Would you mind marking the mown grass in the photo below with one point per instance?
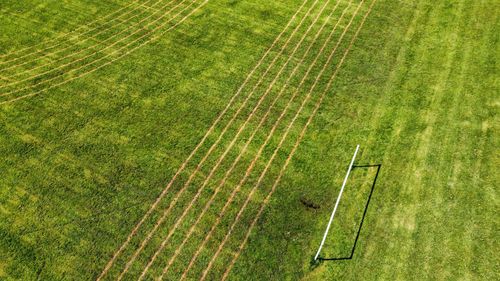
(82, 162)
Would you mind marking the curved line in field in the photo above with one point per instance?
(63, 35)
(99, 43)
(106, 63)
(198, 146)
(292, 152)
(94, 53)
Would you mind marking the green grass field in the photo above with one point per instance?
(208, 140)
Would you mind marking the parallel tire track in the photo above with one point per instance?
(258, 154)
(191, 177)
(297, 143)
(198, 146)
(191, 230)
(270, 161)
(228, 172)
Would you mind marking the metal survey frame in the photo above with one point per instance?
(337, 203)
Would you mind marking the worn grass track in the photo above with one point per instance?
(83, 162)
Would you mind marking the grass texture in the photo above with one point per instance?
(101, 103)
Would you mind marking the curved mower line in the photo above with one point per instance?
(90, 55)
(99, 43)
(108, 62)
(63, 35)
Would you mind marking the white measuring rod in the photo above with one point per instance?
(337, 203)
